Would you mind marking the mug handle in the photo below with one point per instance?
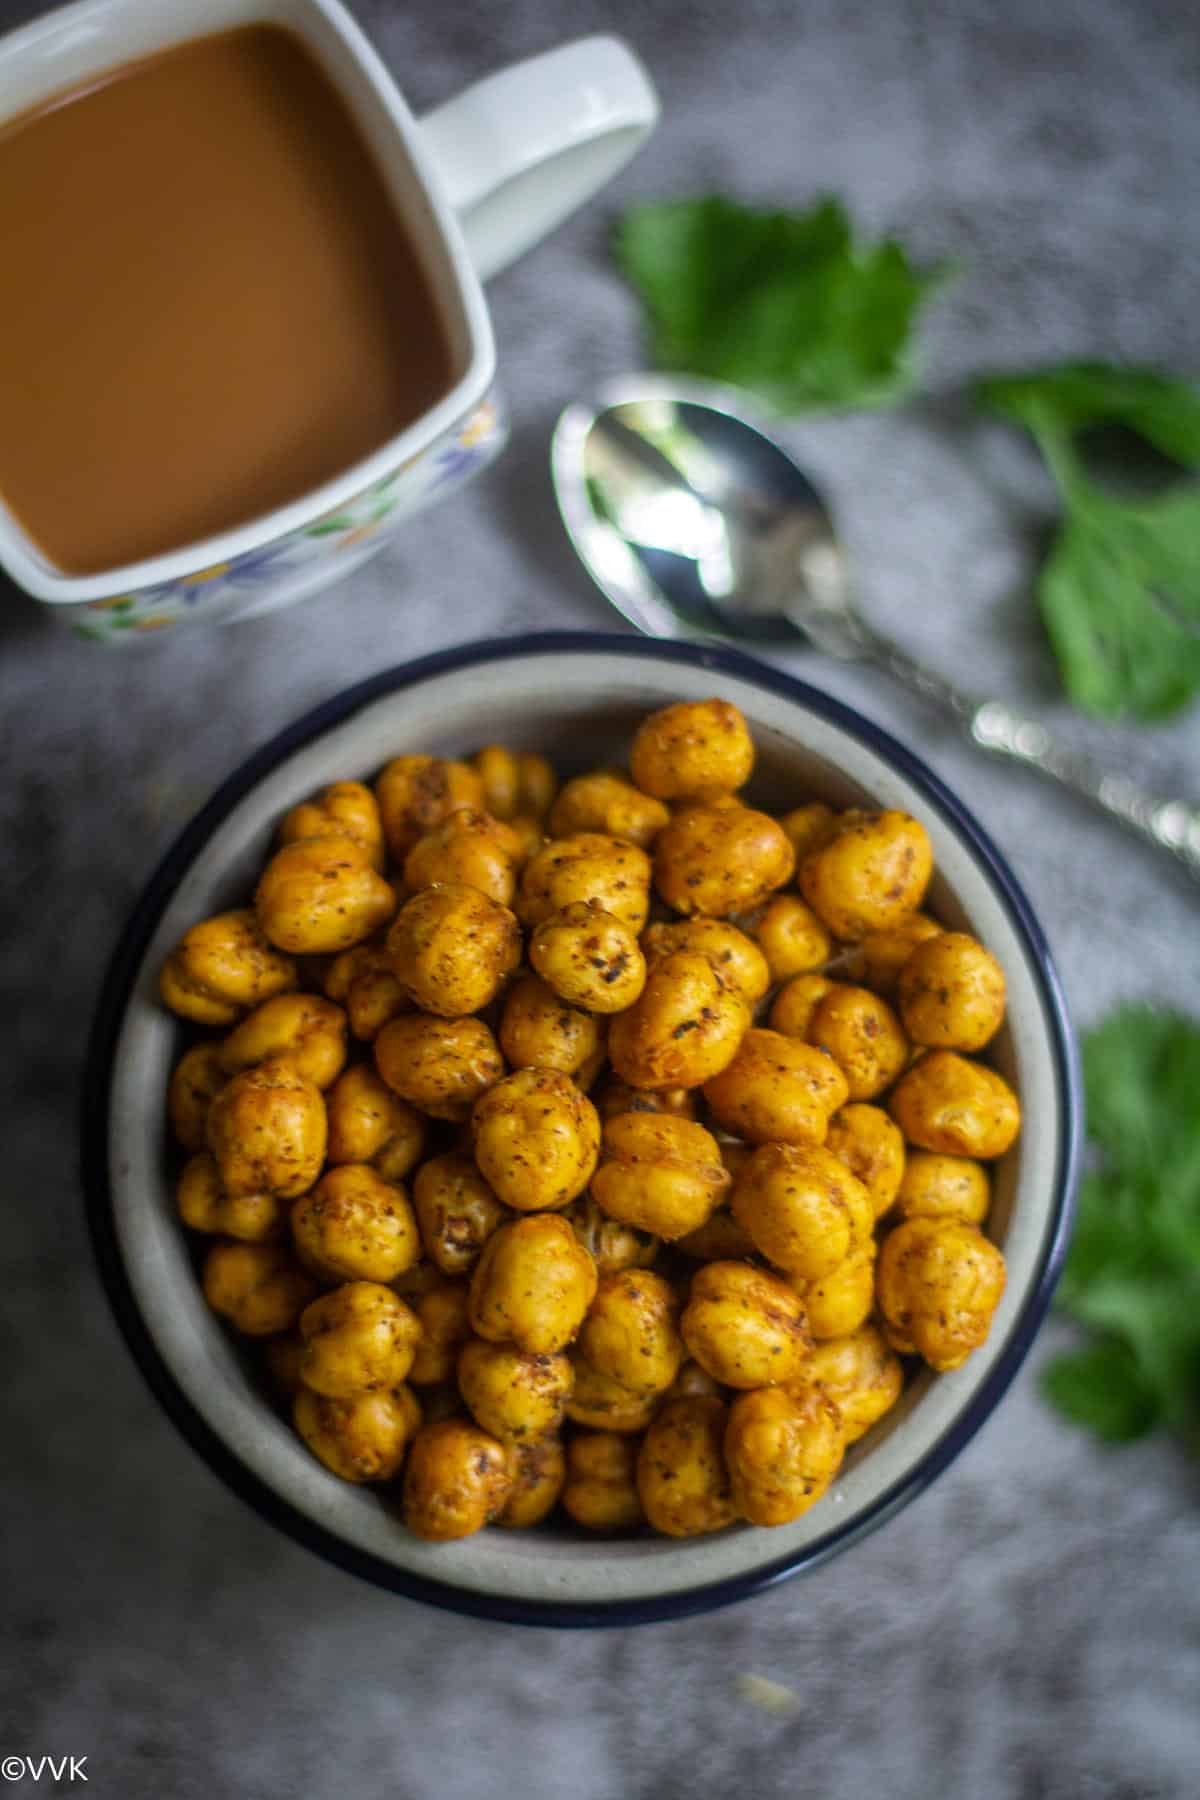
(521, 149)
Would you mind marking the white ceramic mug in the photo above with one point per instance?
(476, 183)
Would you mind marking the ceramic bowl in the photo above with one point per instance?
(578, 698)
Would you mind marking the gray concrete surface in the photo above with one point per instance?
(1030, 1630)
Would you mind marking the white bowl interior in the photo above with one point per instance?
(581, 709)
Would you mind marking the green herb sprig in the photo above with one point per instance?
(1120, 590)
(789, 305)
(1133, 1273)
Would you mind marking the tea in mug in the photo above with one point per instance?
(210, 305)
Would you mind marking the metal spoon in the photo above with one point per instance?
(694, 522)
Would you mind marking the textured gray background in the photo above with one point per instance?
(1032, 1626)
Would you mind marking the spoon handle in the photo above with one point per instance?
(1170, 825)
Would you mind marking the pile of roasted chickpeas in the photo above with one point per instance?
(613, 1146)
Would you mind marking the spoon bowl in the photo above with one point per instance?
(695, 522)
(688, 515)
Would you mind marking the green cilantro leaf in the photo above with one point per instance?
(1102, 1388)
(1133, 1273)
(1079, 395)
(1120, 590)
(1142, 1089)
(785, 304)
(1120, 597)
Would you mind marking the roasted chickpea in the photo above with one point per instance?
(719, 802)
(529, 834)
(736, 958)
(791, 937)
(539, 1029)
(606, 802)
(456, 1210)
(500, 779)
(537, 784)
(943, 1187)
(457, 1480)
(938, 1284)
(803, 1209)
(872, 1147)
(794, 1005)
(720, 860)
(691, 1381)
(961, 1108)
(783, 1447)
(603, 1404)
(468, 847)
(205, 1206)
(195, 1083)
(776, 1090)
(514, 1393)
(952, 993)
(614, 1097)
(588, 866)
(808, 827)
(419, 1279)
(682, 1480)
(516, 783)
(842, 1300)
(360, 1338)
(744, 1325)
(600, 1492)
(532, 1285)
(685, 1028)
(369, 1124)
(589, 957)
(320, 896)
(308, 1031)
(861, 1374)
(259, 1288)
(222, 967)
(452, 949)
(876, 962)
(366, 984)
(539, 1468)
(867, 877)
(862, 1034)
(415, 793)
(356, 1226)
(362, 1438)
(536, 1139)
(631, 1333)
(659, 1174)
(344, 809)
(719, 1239)
(694, 747)
(445, 1328)
(610, 1244)
(267, 1130)
(440, 1066)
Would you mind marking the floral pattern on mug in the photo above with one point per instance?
(225, 590)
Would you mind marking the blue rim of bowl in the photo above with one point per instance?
(114, 999)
